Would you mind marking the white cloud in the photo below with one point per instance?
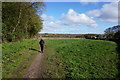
(108, 13)
(76, 0)
(52, 24)
(51, 17)
(99, 0)
(86, 3)
(75, 19)
(89, 0)
(45, 17)
(94, 13)
(71, 19)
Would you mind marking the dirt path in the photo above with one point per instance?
(35, 70)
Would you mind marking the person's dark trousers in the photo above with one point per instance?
(42, 48)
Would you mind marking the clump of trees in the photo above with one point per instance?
(95, 36)
(113, 33)
(90, 36)
(20, 20)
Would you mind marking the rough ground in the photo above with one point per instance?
(35, 70)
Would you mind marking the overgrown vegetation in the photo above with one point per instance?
(16, 57)
(74, 58)
(20, 20)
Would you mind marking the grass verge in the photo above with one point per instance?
(17, 57)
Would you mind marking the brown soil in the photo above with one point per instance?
(35, 70)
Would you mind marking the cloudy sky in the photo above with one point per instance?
(79, 17)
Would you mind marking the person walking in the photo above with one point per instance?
(42, 45)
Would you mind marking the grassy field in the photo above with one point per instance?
(65, 58)
(73, 58)
(16, 57)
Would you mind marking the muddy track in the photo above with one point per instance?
(35, 70)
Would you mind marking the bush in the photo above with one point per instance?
(117, 35)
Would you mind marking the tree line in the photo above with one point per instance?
(113, 33)
(20, 20)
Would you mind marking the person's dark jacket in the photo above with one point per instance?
(41, 42)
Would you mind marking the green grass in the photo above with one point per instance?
(73, 58)
(65, 58)
(16, 57)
